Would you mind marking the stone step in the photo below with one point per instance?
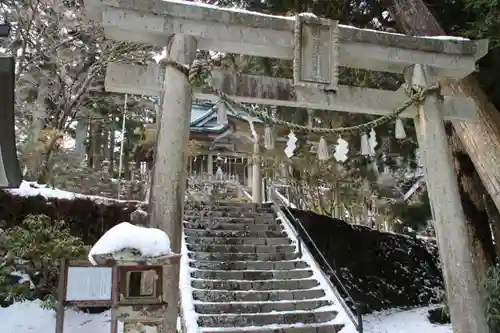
(291, 328)
(255, 285)
(230, 219)
(244, 203)
(238, 241)
(238, 320)
(210, 256)
(256, 296)
(249, 265)
(229, 208)
(229, 205)
(233, 226)
(230, 213)
(252, 275)
(232, 203)
(234, 233)
(242, 248)
(218, 308)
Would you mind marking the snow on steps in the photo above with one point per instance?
(241, 272)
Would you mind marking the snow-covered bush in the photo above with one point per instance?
(30, 258)
(87, 218)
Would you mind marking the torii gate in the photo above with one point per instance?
(185, 27)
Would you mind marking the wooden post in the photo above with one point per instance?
(462, 286)
(166, 200)
(81, 135)
(61, 296)
(115, 297)
(170, 283)
(256, 174)
(249, 172)
(310, 118)
(210, 165)
(338, 204)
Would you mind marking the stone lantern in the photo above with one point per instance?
(139, 297)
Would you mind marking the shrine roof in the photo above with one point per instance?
(204, 118)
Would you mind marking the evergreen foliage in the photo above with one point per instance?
(492, 287)
(33, 251)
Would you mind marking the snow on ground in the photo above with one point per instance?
(31, 189)
(13, 320)
(397, 321)
(150, 242)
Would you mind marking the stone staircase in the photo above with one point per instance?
(242, 273)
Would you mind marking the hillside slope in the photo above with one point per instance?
(381, 270)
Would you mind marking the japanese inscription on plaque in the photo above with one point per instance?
(89, 284)
(316, 53)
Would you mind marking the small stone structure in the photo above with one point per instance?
(139, 291)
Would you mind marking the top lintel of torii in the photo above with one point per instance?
(252, 33)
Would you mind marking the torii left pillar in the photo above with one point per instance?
(168, 183)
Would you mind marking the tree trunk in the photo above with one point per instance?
(80, 137)
(105, 142)
(494, 216)
(96, 144)
(472, 195)
(414, 18)
(39, 115)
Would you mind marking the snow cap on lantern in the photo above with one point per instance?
(128, 242)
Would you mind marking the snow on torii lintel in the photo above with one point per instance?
(151, 243)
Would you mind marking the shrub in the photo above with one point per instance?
(32, 252)
(492, 287)
(85, 218)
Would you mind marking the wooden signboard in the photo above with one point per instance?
(83, 285)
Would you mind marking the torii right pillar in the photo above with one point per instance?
(462, 285)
